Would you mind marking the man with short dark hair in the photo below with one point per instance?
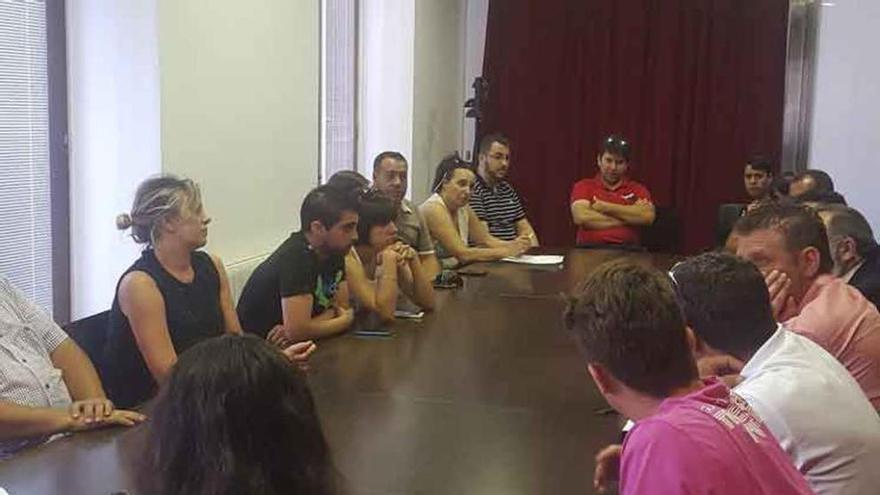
(817, 199)
(784, 376)
(390, 171)
(788, 243)
(300, 289)
(814, 186)
(493, 199)
(609, 208)
(758, 178)
(854, 250)
(691, 435)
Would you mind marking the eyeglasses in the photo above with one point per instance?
(671, 274)
(617, 144)
(449, 166)
(676, 292)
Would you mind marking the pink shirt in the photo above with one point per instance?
(837, 316)
(709, 441)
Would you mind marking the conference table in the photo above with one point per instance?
(486, 395)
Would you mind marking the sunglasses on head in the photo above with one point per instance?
(671, 274)
(616, 143)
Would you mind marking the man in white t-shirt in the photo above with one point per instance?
(807, 399)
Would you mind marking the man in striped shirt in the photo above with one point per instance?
(493, 199)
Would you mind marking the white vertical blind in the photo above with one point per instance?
(25, 214)
(386, 83)
(339, 86)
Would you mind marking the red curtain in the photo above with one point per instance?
(695, 85)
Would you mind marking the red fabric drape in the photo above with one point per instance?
(695, 85)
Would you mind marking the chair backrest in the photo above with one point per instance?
(728, 214)
(664, 234)
(90, 334)
(239, 273)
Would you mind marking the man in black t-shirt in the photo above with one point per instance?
(300, 289)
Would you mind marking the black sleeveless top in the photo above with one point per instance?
(192, 312)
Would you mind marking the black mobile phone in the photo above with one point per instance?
(373, 333)
(470, 272)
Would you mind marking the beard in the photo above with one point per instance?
(342, 251)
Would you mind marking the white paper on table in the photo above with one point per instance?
(402, 314)
(536, 259)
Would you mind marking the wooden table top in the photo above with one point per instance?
(487, 395)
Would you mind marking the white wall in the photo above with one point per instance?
(231, 92)
(845, 138)
(438, 97)
(240, 102)
(411, 93)
(386, 79)
(113, 104)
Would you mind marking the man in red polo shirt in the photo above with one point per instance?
(610, 208)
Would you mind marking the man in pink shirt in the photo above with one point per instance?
(788, 243)
(691, 435)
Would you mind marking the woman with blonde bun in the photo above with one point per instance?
(173, 297)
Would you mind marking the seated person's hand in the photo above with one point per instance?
(518, 246)
(408, 254)
(278, 337)
(388, 257)
(525, 241)
(119, 417)
(598, 205)
(607, 468)
(346, 313)
(405, 251)
(779, 286)
(726, 368)
(299, 353)
(91, 410)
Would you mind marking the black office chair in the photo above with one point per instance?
(90, 334)
(728, 214)
(663, 236)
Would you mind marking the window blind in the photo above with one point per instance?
(339, 86)
(25, 214)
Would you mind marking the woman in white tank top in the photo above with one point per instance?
(459, 236)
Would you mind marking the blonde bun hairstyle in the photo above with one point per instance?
(157, 199)
(123, 221)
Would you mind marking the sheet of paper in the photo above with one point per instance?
(536, 259)
(409, 315)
